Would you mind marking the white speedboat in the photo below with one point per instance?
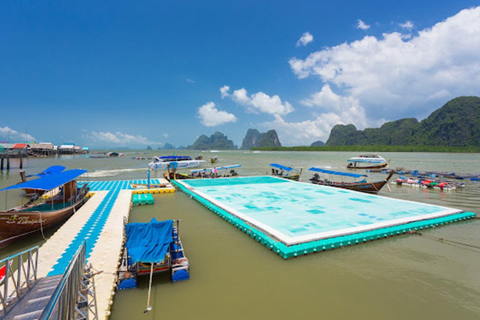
(367, 161)
(162, 163)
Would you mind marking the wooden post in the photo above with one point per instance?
(8, 162)
(1, 165)
(21, 161)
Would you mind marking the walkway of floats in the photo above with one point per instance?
(100, 223)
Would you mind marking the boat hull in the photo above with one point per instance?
(367, 187)
(366, 166)
(18, 224)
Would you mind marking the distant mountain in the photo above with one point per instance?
(149, 148)
(317, 144)
(168, 146)
(254, 138)
(456, 124)
(216, 141)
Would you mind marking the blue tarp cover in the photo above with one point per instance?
(50, 181)
(338, 173)
(149, 242)
(279, 166)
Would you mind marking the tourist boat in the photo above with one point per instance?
(33, 216)
(215, 172)
(161, 163)
(367, 161)
(363, 185)
(151, 248)
(286, 172)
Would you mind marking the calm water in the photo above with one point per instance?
(234, 277)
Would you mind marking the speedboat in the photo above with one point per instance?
(367, 161)
(162, 163)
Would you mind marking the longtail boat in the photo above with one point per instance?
(36, 216)
(215, 172)
(362, 186)
(286, 172)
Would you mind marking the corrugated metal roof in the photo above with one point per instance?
(20, 146)
(47, 146)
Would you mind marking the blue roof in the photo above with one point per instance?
(50, 181)
(218, 168)
(279, 166)
(338, 173)
(51, 170)
(149, 242)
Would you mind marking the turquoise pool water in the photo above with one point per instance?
(296, 212)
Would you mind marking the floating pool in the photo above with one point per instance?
(296, 218)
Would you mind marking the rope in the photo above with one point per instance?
(149, 307)
(446, 240)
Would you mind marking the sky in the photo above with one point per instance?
(107, 74)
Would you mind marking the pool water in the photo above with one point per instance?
(294, 212)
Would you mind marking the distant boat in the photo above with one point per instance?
(162, 163)
(32, 216)
(203, 173)
(286, 172)
(214, 159)
(362, 186)
(367, 161)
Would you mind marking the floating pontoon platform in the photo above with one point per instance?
(293, 218)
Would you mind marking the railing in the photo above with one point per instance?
(63, 303)
(20, 275)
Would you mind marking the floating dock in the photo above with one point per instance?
(100, 222)
(293, 218)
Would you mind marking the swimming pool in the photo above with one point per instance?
(294, 213)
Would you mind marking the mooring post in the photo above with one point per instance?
(1, 164)
(21, 161)
(8, 162)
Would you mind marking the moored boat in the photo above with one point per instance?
(151, 248)
(367, 161)
(48, 171)
(161, 163)
(362, 186)
(286, 172)
(36, 216)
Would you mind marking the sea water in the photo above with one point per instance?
(234, 277)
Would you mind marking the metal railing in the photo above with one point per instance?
(20, 275)
(63, 303)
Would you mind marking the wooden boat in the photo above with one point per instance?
(369, 161)
(214, 159)
(151, 248)
(286, 172)
(362, 186)
(215, 172)
(32, 217)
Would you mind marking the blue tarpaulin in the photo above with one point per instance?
(279, 166)
(149, 242)
(49, 170)
(50, 181)
(338, 173)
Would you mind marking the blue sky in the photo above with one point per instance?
(138, 73)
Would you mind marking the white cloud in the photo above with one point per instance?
(190, 80)
(118, 139)
(165, 135)
(13, 136)
(261, 102)
(211, 116)
(362, 25)
(407, 25)
(224, 91)
(334, 109)
(305, 39)
(395, 77)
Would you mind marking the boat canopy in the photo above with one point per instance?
(279, 166)
(218, 168)
(50, 181)
(338, 173)
(149, 242)
(49, 170)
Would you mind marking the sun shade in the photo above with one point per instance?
(338, 173)
(50, 181)
(279, 166)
